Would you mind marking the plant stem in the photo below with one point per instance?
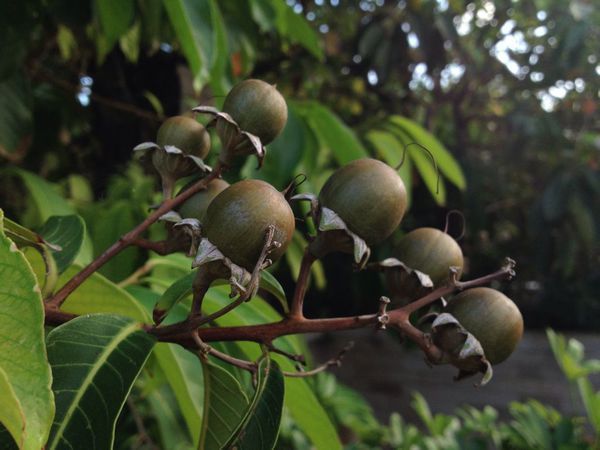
(129, 238)
(296, 309)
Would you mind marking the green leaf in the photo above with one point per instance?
(260, 426)
(293, 257)
(48, 202)
(591, 401)
(270, 284)
(25, 378)
(68, 233)
(199, 28)
(16, 116)
(300, 399)
(182, 370)
(335, 135)
(297, 29)
(224, 406)
(95, 360)
(99, 295)
(115, 17)
(444, 159)
(220, 50)
(173, 295)
(389, 149)
(164, 410)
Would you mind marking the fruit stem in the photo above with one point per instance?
(129, 238)
(296, 309)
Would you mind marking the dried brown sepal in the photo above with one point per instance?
(460, 348)
(171, 163)
(334, 235)
(208, 253)
(236, 142)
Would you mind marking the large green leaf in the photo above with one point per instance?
(68, 233)
(48, 202)
(444, 159)
(99, 295)
(183, 373)
(95, 360)
(224, 406)
(334, 134)
(27, 403)
(164, 411)
(260, 427)
(296, 28)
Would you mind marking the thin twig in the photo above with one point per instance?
(337, 362)
(293, 356)
(143, 435)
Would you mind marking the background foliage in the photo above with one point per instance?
(509, 89)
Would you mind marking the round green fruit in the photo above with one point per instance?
(492, 318)
(238, 218)
(430, 251)
(196, 206)
(186, 134)
(369, 196)
(258, 108)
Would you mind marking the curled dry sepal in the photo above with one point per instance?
(460, 348)
(236, 142)
(171, 163)
(334, 234)
(209, 254)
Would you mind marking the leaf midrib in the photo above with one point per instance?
(87, 382)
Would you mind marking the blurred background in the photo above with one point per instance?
(503, 93)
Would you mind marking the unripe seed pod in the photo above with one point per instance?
(258, 108)
(196, 206)
(430, 251)
(492, 318)
(186, 134)
(369, 196)
(238, 218)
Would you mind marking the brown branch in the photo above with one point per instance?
(160, 247)
(58, 299)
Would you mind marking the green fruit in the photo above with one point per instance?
(430, 251)
(369, 196)
(196, 206)
(492, 318)
(238, 218)
(258, 108)
(186, 134)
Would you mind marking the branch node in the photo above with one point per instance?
(382, 317)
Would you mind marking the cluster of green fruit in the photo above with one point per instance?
(360, 205)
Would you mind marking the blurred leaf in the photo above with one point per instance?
(270, 284)
(110, 223)
(199, 28)
(16, 115)
(591, 401)
(48, 202)
(25, 378)
(389, 149)
(130, 42)
(115, 17)
(260, 425)
(264, 13)
(164, 411)
(443, 158)
(99, 295)
(68, 233)
(293, 257)
(224, 406)
(95, 360)
(430, 177)
(334, 134)
(66, 42)
(296, 28)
